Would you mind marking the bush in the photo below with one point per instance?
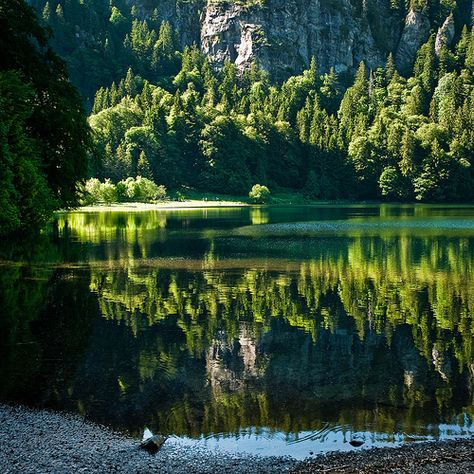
(259, 194)
(141, 190)
(131, 189)
(108, 192)
(94, 191)
(90, 192)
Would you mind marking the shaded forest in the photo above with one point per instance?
(45, 141)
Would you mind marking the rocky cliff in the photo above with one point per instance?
(283, 35)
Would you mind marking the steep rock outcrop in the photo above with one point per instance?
(445, 34)
(415, 33)
(283, 35)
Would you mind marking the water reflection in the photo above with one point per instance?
(185, 323)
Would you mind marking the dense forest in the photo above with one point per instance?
(169, 115)
(45, 141)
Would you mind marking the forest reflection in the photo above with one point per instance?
(372, 320)
(196, 333)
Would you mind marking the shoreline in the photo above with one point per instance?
(194, 204)
(159, 206)
(41, 441)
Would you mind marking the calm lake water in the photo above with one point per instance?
(267, 330)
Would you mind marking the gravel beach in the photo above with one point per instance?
(47, 442)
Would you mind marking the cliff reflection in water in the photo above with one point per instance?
(196, 331)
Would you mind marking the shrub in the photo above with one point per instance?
(130, 189)
(259, 194)
(108, 192)
(140, 189)
(94, 191)
(90, 192)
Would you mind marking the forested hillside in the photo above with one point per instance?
(388, 137)
(182, 118)
(192, 119)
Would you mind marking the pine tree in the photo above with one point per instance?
(463, 45)
(426, 66)
(390, 69)
(60, 13)
(303, 121)
(143, 166)
(47, 15)
(407, 163)
(469, 62)
(129, 83)
(354, 110)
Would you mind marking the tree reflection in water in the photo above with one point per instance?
(194, 329)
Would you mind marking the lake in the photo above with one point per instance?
(271, 330)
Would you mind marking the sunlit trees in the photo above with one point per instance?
(259, 194)
(192, 126)
(140, 189)
(137, 189)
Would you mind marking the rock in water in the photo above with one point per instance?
(356, 443)
(153, 444)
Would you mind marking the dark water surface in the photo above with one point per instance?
(268, 330)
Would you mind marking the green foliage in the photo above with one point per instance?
(116, 17)
(44, 136)
(94, 192)
(140, 190)
(25, 200)
(169, 116)
(218, 132)
(259, 194)
(128, 190)
(391, 183)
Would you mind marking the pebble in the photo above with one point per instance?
(40, 442)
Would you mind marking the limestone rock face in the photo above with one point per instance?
(283, 35)
(415, 33)
(445, 34)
